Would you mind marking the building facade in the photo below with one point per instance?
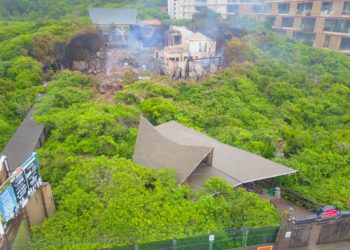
(321, 23)
(188, 54)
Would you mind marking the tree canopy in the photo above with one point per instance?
(26, 48)
(100, 193)
(24, 10)
(277, 98)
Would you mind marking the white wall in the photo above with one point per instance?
(184, 9)
(202, 48)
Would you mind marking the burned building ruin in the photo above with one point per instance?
(188, 54)
(150, 46)
(114, 24)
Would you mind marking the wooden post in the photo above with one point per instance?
(285, 234)
(43, 201)
(26, 216)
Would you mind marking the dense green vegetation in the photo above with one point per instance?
(275, 93)
(275, 89)
(101, 194)
(20, 10)
(25, 48)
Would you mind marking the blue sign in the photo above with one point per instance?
(8, 204)
(15, 194)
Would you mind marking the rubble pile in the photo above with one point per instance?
(175, 51)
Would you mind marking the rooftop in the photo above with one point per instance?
(154, 22)
(197, 157)
(23, 142)
(185, 33)
(108, 16)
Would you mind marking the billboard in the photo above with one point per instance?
(26, 180)
(31, 172)
(19, 188)
(4, 169)
(8, 204)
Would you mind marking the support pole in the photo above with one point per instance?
(211, 241)
(245, 236)
(284, 237)
(174, 244)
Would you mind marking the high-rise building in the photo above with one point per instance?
(321, 23)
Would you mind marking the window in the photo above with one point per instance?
(326, 41)
(326, 8)
(271, 20)
(258, 9)
(308, 24)
(200, 8)
(232, 8)
(337, 25)
(345, 44)
(200, 1)
(346, 8)
(283, 8)
(281, 32)
(304, 9)
(306, 38)
(287, 21)
(240, 1)
(266, 8)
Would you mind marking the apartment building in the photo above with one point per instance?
(185, 9)
(321, 23)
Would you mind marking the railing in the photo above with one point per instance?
(290, 195)
(301, 200)
(227, 239)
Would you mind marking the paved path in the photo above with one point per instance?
(28, 137)
(283, 205)
(344, 245)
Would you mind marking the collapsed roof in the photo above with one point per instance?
(108, 16)
(197, 157)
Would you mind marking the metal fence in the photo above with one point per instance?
(227, 239)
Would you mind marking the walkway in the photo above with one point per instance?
(28, 137)
(283, 205)
(344, 245)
